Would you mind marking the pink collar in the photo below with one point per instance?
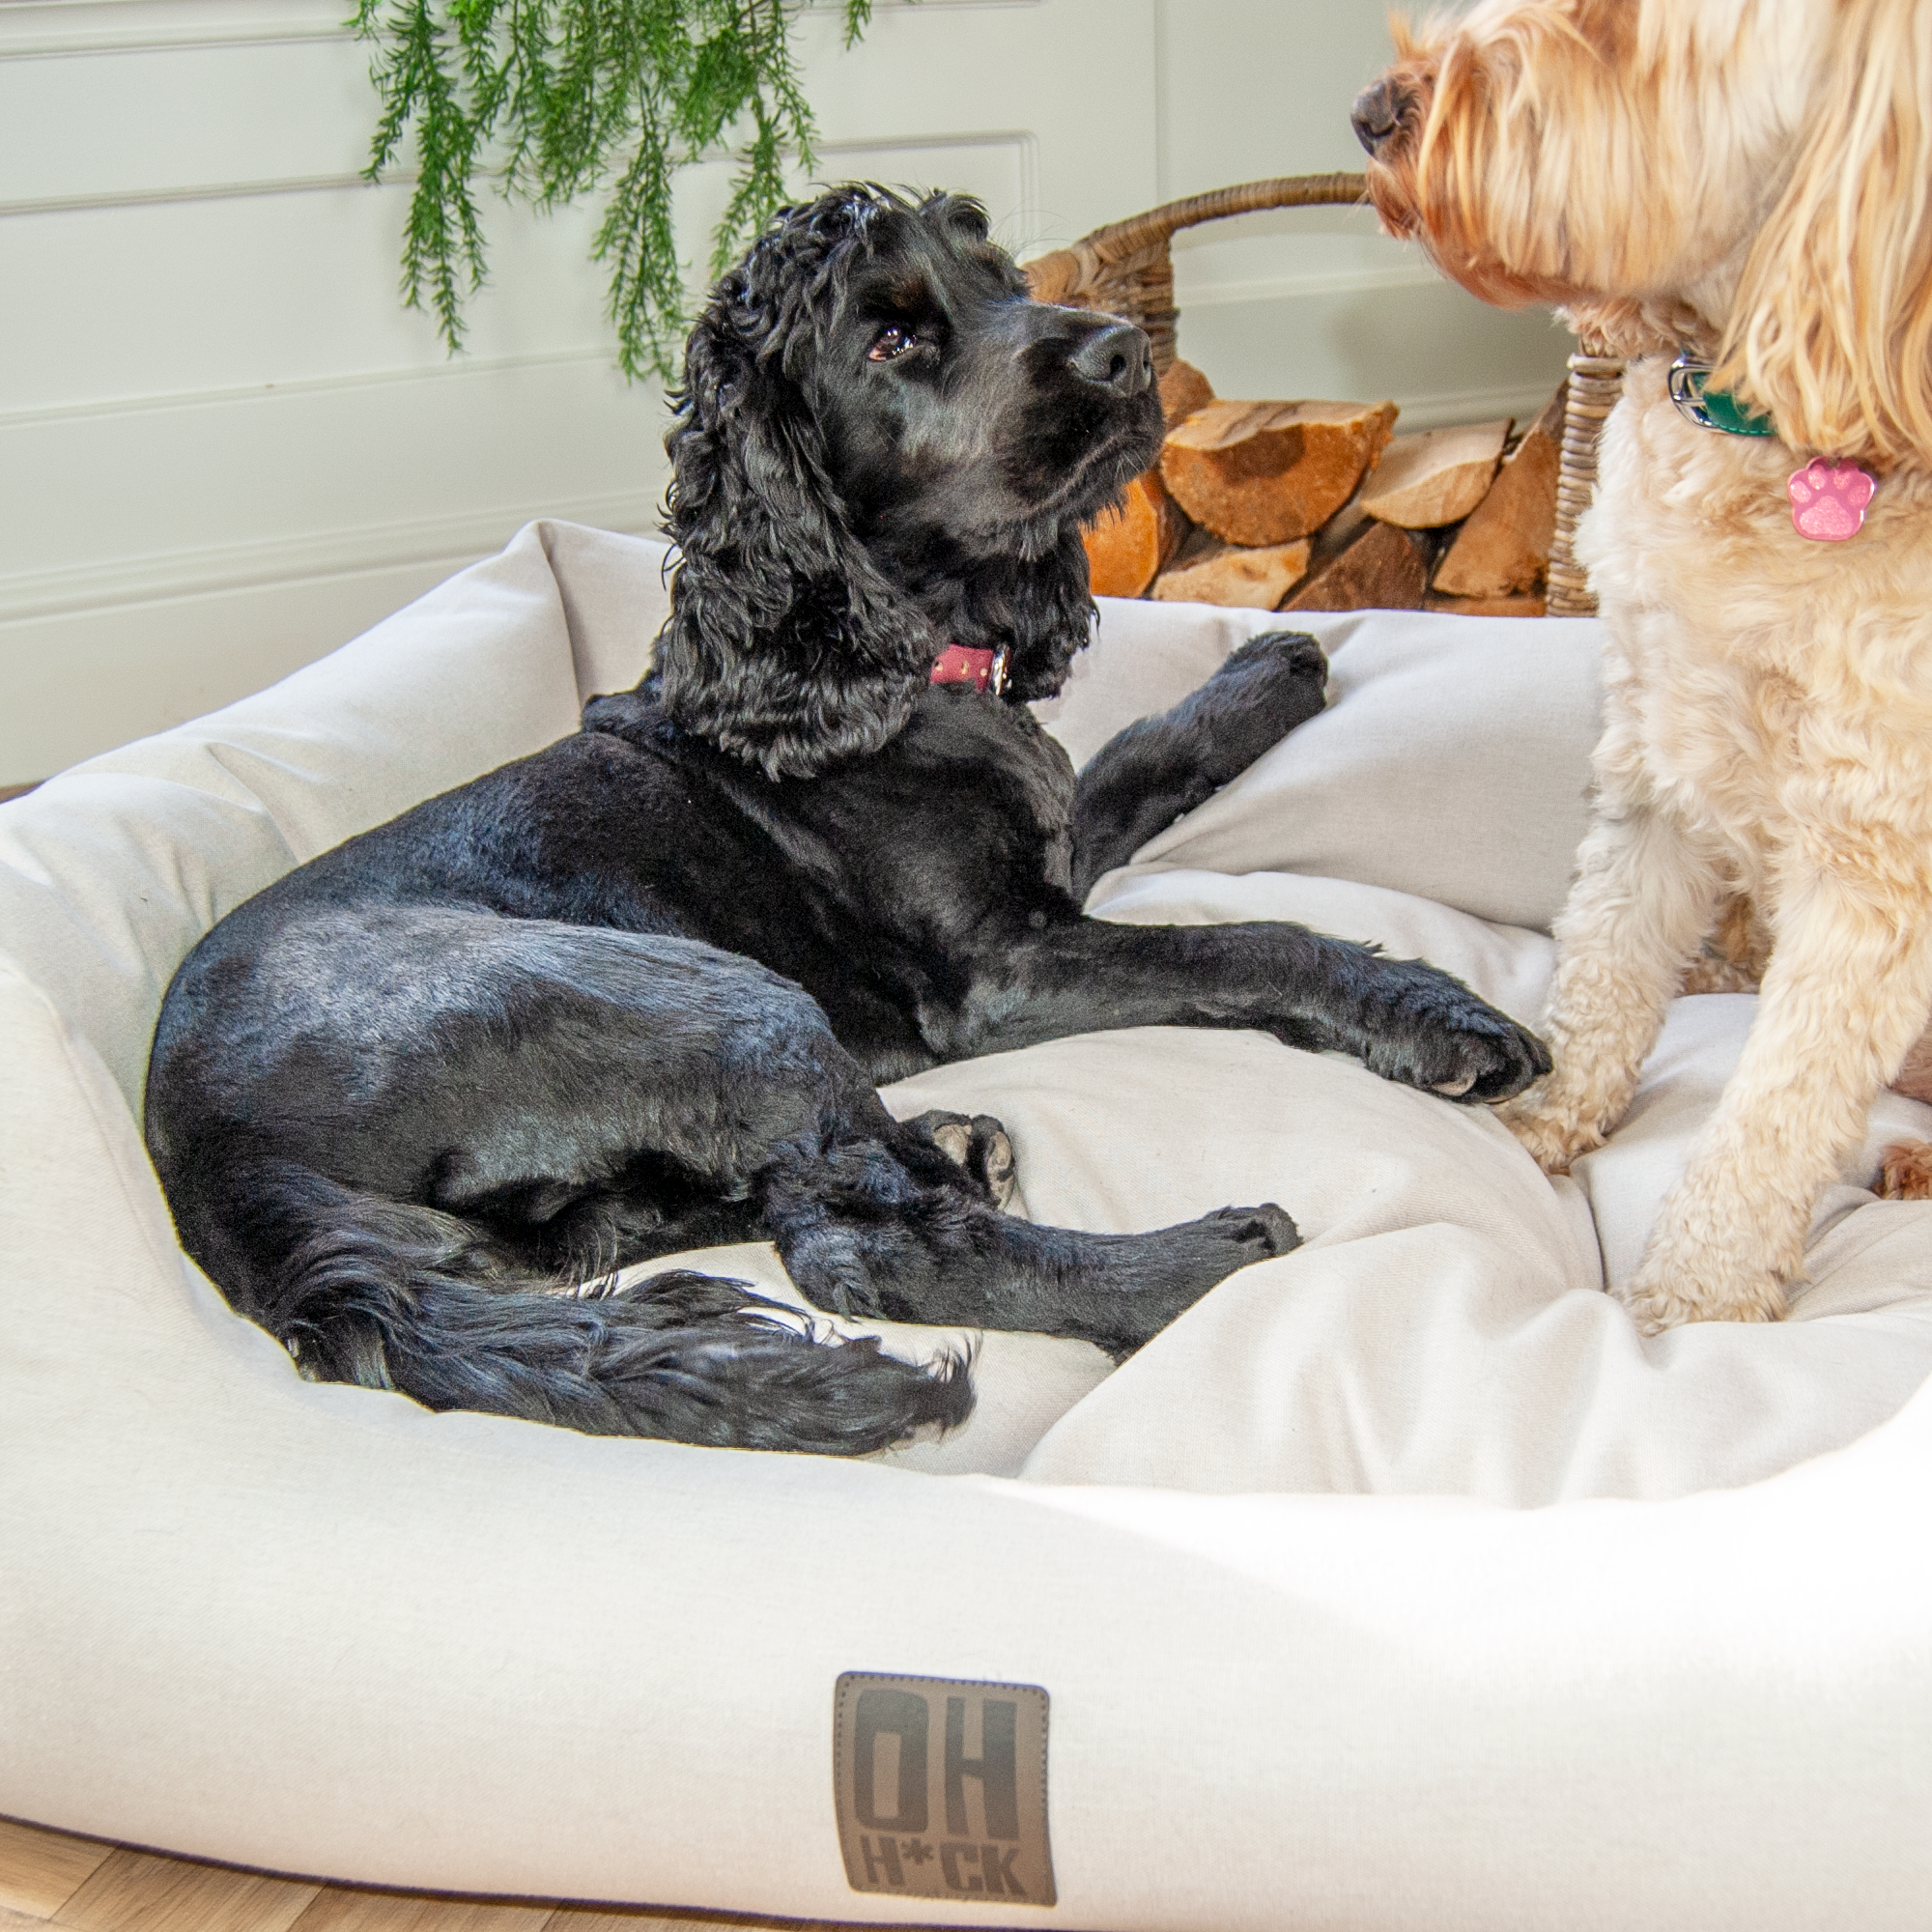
(981, 670)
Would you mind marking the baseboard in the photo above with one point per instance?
(83, 681)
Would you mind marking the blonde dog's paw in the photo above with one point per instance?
(1905, 1171)
(1665, 1293)
(1553, 1135)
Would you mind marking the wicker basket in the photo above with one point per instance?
(1595, 384)
(1127, 269)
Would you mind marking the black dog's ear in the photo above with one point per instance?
(784, 646)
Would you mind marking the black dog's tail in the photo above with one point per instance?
(391, 1295)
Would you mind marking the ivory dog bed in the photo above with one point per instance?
(1398, 1584)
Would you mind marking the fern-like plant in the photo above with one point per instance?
(559, 97)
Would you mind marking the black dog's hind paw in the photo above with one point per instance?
(1444, 1038)
(1182, 1264)
(1270, 685)
(1262, 1231)
(975, 1142)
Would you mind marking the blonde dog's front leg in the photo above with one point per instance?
(1646, 893)
(1844, 997)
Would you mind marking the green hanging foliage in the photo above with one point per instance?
(557, 97)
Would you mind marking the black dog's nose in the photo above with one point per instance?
(1118, 358)
(1377, 113)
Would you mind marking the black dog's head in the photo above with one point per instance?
(882, 447)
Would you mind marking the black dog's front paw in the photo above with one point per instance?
(1445, 1039)
(1267, 687)
(1138, 784)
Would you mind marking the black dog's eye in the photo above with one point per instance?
(891, 343)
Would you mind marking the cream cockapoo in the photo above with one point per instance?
(1747, 185)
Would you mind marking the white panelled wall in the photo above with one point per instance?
(225, 447)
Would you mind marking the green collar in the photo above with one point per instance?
(1828, 500)
(1709, 408)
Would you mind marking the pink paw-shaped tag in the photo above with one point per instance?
(1828, 500)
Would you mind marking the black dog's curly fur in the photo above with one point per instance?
(415, 1103)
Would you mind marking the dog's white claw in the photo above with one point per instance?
(1001, 1169)
(1454, 1089)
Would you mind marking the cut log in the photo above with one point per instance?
(1505, 604)
(1335, 537)
(1126, 547)
(1269, 472)
(1382, 570)
(1250, 579)
(1505, 544)
(1435, 478)
(1183, 390)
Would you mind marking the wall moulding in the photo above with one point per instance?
(31, 28)
(220, 568)
(454, 368)
(162, 197)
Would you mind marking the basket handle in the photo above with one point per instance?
(1061, 273)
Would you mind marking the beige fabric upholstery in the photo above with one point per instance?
(1453, 762)
(1398, 1583)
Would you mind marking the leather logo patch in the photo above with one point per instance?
(941, 1787)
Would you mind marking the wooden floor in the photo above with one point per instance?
(83, 1884)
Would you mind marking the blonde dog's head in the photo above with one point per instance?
(1748, 178)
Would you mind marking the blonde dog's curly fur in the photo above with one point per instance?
(1750, 180)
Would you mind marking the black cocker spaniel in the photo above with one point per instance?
(416, 1102)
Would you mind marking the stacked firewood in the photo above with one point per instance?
(1320, 506)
